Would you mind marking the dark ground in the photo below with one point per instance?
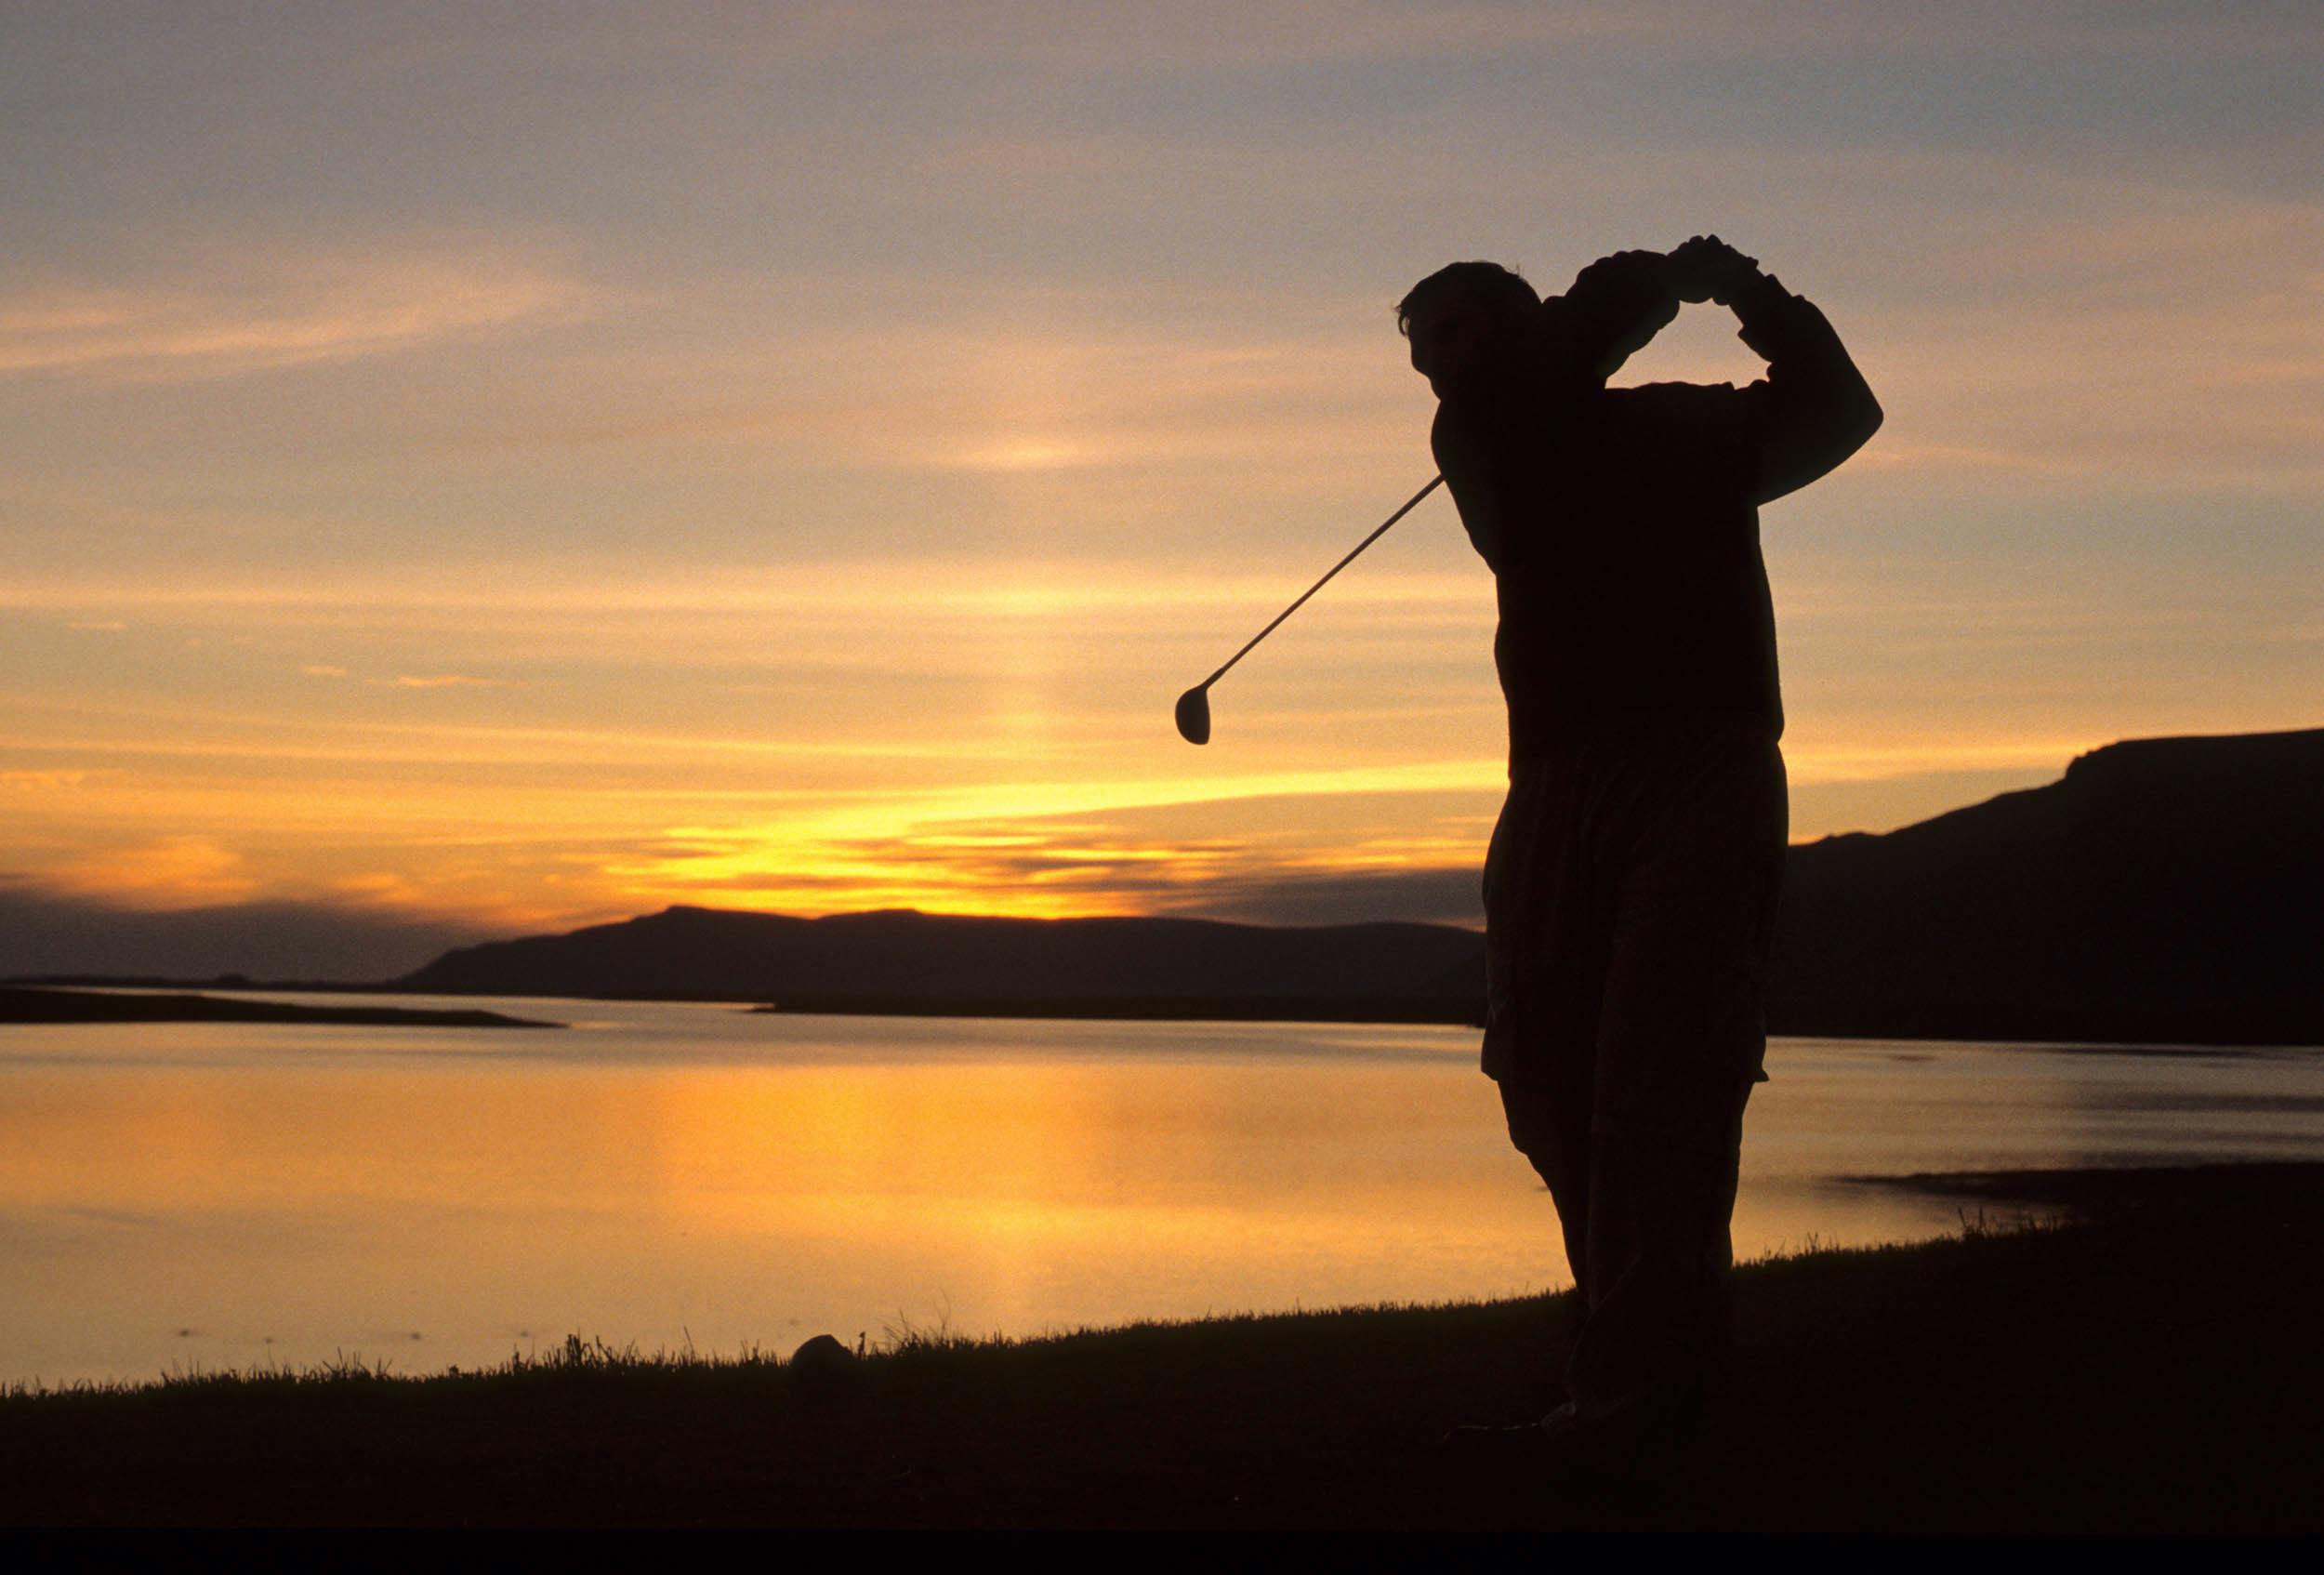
(2154, 1367)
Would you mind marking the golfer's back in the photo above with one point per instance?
(1630, 585)
(1631, 582)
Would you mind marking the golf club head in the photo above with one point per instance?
(1194, 714)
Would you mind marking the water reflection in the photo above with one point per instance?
(230, 1194)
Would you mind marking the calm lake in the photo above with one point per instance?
(233, 1195)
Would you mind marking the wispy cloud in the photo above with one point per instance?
(443, 680)
(2156, 335)
(1132, 857)
(1238, 35)
(1959, 460)
(1024, 383)
(171, 872)
(247, 314)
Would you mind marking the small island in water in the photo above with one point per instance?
(22, 1005)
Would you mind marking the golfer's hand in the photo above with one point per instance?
(1706, 269)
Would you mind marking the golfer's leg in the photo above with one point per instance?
(1545, 965)
(1546, 1099)
(1680, 1045)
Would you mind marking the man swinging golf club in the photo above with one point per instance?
(1631, 886)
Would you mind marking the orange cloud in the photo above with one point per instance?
(170, 872)
(443, 680)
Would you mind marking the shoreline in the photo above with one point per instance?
(43, 1004)
(1287, 1009)
(2134, 1353)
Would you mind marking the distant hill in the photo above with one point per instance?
(906, 960)
(2166, 890)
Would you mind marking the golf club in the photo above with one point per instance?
(1194, 706)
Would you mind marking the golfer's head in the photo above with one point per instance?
(1468, 324)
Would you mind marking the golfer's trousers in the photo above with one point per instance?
(1630, 900)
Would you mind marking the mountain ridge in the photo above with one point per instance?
(901, 955)
(2161, 889)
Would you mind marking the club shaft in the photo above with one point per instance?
(1410, 503)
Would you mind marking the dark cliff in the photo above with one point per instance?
(2167, 889)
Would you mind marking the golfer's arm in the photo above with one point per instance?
(1817, 408)
(1611, 310)
(1461, 459)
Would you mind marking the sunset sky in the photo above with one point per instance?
(497, 467)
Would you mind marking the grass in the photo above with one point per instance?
(2148, 1364)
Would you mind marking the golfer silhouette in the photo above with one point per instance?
(1631, 887)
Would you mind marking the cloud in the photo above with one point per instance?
(443, 680)
(172, 872)
(1374, 858)
(2082, 328)
(231, 317)
(1242, 35)
(1026, 382)
(1959, 459)
(2152, 335)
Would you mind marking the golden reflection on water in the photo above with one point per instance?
(216, 1196)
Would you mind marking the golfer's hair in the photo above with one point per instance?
(1486, 283)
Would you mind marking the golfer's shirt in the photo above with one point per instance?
(1622, 527)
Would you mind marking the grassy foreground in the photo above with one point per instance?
(2152, 1365)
